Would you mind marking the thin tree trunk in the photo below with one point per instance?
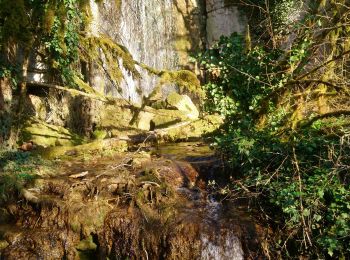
(18, 120)
(2, 98)
(23, 84)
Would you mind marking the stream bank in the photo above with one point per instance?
(145, 203)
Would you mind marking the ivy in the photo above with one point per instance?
(292, 157)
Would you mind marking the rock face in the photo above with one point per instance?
(38, 107)
(190, 29)
(178, 121)
(223, 18)
(161, 34)
(146, 29)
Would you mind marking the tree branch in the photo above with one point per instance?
(323, 116)
(327, 83)
(322, 65)
(70, 90)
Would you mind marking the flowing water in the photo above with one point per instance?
(94, 211)
(146, 29)
(220, 238)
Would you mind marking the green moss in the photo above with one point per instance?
(115, 118)
(183, 103)
(49, 19)
(165, 118)
(174, 98)
(183, 44)
(112, 53)
(184, 79)
(87, 244)
(75, 226)
(3, 244)
(85, 149)
(159, 104)
(100, 134)
(195, 129)
(47, 135)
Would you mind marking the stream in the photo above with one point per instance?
(152, 203)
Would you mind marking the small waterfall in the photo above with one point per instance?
(146, 29)
(219, 243)
(223, 246)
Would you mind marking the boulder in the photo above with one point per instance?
(144, 120)
(48, 135)
(184, 104)
(191, 130)
(165, 117)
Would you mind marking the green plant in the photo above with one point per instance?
(281, 134)
(17, 170)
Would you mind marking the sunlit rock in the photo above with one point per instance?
(184, 104)
(224, 18)
(144, 122)
(38, 106)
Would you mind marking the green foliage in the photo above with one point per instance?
(62, 40)
(240, 80)
(298, 171)
(284, 13)
(52, 28)
(11, 73)
(17, 169)
(314, 206)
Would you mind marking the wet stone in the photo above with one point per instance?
(132, 205)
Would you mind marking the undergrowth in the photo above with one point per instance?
(287, 133)
(17, 170)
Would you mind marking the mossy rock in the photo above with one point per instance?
(144, 121)
(47, 135)
(184, 104)
(192, 130)
(115, 118)
(92, 147)
(164, 118)
(87, 244)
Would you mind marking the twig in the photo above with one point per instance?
(276, 171)
(251, 77)
(295, 160)
(150, 182)
(322, 65)
(134, 153)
